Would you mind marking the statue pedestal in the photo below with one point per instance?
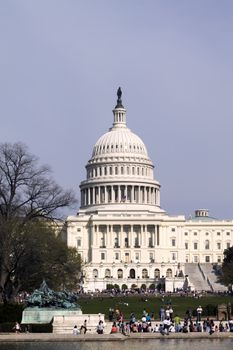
(65, 324)
(39, 315)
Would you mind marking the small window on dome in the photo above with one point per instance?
(103, 147)
(116, 147)
(130, 146)
(112, 147)
(142, 171)
(127, 170)
(116, 170)
(105, 171)
(133, 170)
(122, 170)
(138, 171)
(110, 170)
(134, 147)
(107, 146)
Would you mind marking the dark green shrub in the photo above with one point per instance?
(152, 286)
(124, 286)
(41, 328)
(7, 327)
(109, 286)
(209, 310)
(11, 312)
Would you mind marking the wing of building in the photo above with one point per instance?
(123, 235)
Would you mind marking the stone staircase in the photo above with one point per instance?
(211, 276)
(196, 277)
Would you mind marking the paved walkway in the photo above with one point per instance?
(50, 337)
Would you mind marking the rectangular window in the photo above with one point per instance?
(173, 256)
(207, 259)
(117, 256)
(195, 258)
(218, 245)
(228, 233)
(195, 245)
(219, 259)
(228, 245)
(173, 229)
(195, 233)
(79, 242)
(137, 256)
(173, 242)
(102, 256)
(218, 233)
(126, 257)
(151, 257)
(186, 245)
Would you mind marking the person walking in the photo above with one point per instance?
(199, 313)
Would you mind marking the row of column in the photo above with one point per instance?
(131, 237)
(120, 194)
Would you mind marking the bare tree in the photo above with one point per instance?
(27, 194)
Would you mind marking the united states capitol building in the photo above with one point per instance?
(123, 235)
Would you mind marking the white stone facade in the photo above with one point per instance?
(122, 234)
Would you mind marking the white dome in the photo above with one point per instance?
(120, 141)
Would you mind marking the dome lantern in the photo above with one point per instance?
(119, 112)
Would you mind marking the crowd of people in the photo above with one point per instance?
(168, 323)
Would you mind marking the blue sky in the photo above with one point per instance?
(61, 63)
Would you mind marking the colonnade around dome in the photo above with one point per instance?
(124, 193)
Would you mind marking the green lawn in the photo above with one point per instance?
(136, 304)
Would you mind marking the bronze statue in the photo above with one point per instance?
(46, 297)
(119, 101)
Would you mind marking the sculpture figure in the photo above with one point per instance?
(46, 297)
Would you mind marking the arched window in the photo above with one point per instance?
(120, 273)
(144, 273)
(157, 273)
(95, 273)
(207, 244)
(169, 273)
(107, 273)
(132, 273)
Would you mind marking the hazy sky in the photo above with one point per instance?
(61, 62)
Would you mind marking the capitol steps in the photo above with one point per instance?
(212, 276)
(196, 278)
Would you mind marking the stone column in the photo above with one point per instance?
(105, 194)
(93, 195)
(139, 194)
